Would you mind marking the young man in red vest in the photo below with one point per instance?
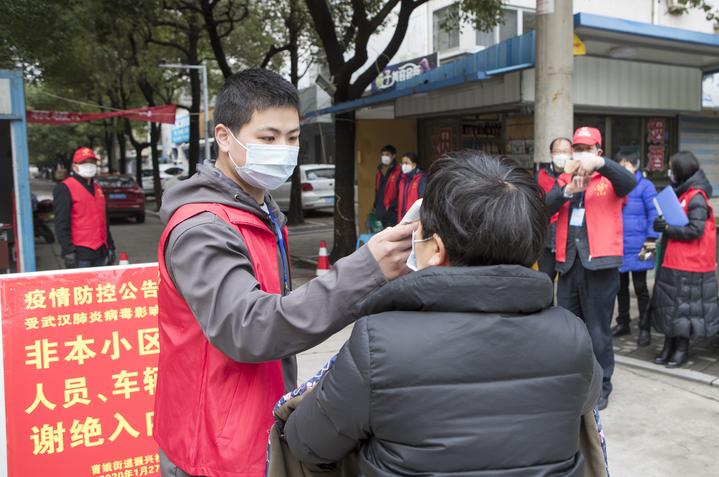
(560, 150)
(229, 324)
(81, 223)
(386, 187)
(589, 242)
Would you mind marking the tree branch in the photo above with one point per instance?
(326, 30)
(271, 53)
(364, 79)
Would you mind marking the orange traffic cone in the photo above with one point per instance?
(124, 259)
(323, 261)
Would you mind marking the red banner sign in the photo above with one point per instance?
(154, 114)
(80, 353)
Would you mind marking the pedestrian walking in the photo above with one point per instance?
(560, 150)
(80, 210)
(412, 184)
(684, 299)
(387, 187)
(229, 326)
(589, 242)
(437, 377)
(638, 217)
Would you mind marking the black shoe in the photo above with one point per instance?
(681, 355)
(621, 329)
(603, 403)
(667, 350)
(645, 338)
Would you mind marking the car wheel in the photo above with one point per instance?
(140, 218)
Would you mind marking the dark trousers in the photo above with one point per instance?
(623, 301)
(547, 263)
(590, 294)
(95, 262)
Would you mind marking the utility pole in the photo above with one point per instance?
(554, 65)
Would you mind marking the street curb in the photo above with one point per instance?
(686, 374)
(152, 212)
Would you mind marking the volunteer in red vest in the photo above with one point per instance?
(684, 302)
(589, 242)
(229, 324)
(560, 150)
(386, 187)
(412, 183)
(81, 223)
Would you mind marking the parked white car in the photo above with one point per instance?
(167, 171)
(318, 188)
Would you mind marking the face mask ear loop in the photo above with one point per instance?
(238, 142)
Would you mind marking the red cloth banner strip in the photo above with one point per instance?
(155, 114)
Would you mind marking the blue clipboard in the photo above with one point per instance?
(668, 206)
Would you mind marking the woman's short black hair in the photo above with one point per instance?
(411, 156)
(683, 164)
(486, 209)
(255, 89)
(389, 148)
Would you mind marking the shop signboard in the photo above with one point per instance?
(79, 353)
(656, 140)
(441, 141)
(389, 77)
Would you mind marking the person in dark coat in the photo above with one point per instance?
(638, 217)
(684, 301)
(464, 367)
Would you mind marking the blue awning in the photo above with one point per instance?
(510, 55)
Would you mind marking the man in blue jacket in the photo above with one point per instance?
(638, 216)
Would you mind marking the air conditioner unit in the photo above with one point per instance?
(676, 7)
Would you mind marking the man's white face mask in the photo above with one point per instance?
(87, 170)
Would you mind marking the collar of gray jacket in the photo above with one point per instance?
(210, 185)
(492, 289)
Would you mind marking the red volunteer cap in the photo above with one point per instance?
(83, 154)
(588, 136)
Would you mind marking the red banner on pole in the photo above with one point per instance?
(80, 356)
(154, 114)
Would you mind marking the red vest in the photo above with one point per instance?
(546, 182)
(693, 255)
(88, 221)
(390, 187)
(213, 414)
(603, 216)
(408, 193)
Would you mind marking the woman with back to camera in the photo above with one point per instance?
(684, 300)
(464, 367)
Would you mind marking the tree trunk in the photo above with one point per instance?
(296, 214)
(345, 230)
(154, 139)
(138, 164)
(196, 92)
(123, 152)
(109, 148)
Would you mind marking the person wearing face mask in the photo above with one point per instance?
(589, 241)
(412, 183)
(81, 224)
(229, 322)
(387, 187)
(430, 381)
(684, 300)
(638, 217)
(560, 150)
